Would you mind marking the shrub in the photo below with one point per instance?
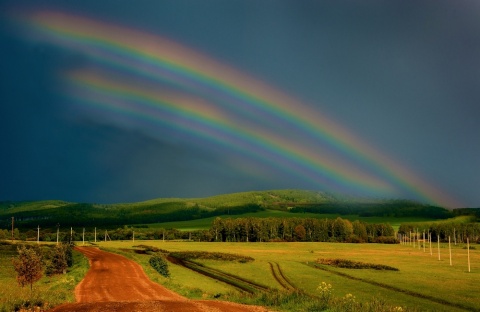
(349, 264)
(160, 265)
(59, 259)
(189, 255)
(386, 240)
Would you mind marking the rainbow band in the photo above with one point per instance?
(163, 61)
(201, 119)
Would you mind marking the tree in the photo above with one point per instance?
(28, 266)
(300, 232)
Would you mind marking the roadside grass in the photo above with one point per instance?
(47, 293)
(419, 273)
(182, 281)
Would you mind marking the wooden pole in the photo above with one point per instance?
(38, 234)
(95, 234)
(418, 239)
(58, 232)
(450, 250)
(13, 222)
(438, 246)
(105, 235)
(71, 234)
(430, 241)
(454, 237)
(468, 254)
(133, 236)
(83, 237)
(424, 241)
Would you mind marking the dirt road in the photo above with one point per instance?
(115, 283)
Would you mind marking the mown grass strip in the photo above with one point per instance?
(397, 289)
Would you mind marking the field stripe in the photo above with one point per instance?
(397, 289)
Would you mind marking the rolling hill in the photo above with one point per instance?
(295, 202)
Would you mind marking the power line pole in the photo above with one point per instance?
(38, 234)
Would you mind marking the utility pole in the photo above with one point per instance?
(83, 236)
(95, 234)
(38, 234)
(13, 222)
(71, 234)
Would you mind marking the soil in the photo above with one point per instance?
(115, 283)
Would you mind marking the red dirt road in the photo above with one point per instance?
(115, 283)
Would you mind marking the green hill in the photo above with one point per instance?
(295, 202)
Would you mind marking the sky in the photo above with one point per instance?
(121, 101)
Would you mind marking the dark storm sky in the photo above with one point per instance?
(403, 76)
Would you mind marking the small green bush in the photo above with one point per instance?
(160, 265)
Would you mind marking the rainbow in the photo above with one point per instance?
(203, 120)
(221, 102)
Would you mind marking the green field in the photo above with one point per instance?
(422, 282)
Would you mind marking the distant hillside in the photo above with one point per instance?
(51, 213)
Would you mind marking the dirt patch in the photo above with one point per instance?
(115, 283)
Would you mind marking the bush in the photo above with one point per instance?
(189, 255)
(386, 240)
(349, 264)
(160, 265)
(58, 259)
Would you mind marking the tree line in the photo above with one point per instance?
(299, 230)
(237, 230)
(442, 230)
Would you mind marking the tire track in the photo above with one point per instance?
(230, 279)
(280, 277)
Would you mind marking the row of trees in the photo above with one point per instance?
(241, 230)
(443, 230)
(299, 229)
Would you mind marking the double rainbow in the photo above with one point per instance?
(204, 99)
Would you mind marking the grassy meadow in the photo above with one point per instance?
(422, 283)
